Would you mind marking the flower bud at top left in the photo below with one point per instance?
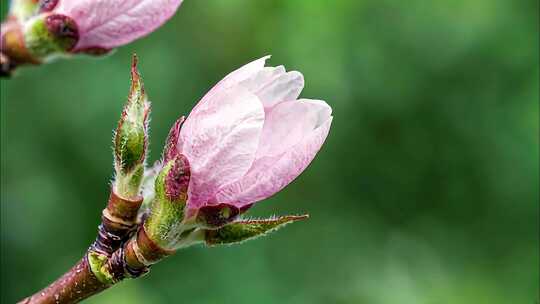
(105, 25)
(38, 31)
(131, 137)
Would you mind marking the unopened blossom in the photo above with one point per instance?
(108, 24)
(37, 31)
(247, 139)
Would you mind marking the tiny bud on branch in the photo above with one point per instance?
(131, 138)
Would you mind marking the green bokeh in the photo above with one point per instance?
(426, 190)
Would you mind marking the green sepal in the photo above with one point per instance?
(243, 230)
(159, 184)
(163, 224)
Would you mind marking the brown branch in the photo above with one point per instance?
(75, 285)
(118, 221)
(132, 260)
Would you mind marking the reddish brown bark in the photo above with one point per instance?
(75, 285)
(118, 221)
(131, 260)
(148, 249)
(118, 224)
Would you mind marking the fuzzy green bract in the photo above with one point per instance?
(244, 230)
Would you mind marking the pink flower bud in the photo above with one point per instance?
(104, 25)
(249, 137)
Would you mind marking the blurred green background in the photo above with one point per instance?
(426, 190)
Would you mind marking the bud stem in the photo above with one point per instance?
(96, 272)
(75, 285)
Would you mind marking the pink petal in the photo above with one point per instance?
(293, 134)
(108, 24)
(220, 139)
(289, 123)
(244, 72)
(235, 77)
(271, 84)
(274, 85)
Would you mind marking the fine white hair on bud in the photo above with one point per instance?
(163, 224)
(131, 138)
(247, 229)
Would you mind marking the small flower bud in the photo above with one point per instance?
(131, 135)
(244, 230)
(131, 138)
(49, 29)
(241, 152)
